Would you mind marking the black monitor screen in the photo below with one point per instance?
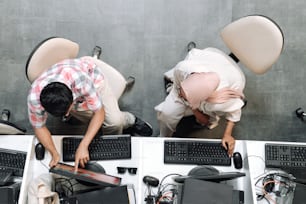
(86, 175)
(222, 176)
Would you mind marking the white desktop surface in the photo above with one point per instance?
(39, 168)
(20, 143)
(148, 158)
(153, 165)
(256, 159)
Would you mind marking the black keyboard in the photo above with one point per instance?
(101, 148)
(5, 176)
(12, 160)
(195, 152)
(285, 155)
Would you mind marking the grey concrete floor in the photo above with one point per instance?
(146, 38)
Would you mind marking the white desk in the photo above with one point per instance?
(147, 156)
(20, 143)
(153, 164)
(256, 160)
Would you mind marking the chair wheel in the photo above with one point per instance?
(300, 113)
(5, 115)
(130, 81)
(191, 45)
(96, 52)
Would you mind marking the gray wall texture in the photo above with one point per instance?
(145, 38)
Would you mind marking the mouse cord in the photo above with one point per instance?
(162, 194)
(256, 157)
(259, 157)
(134, 192)
(161, 182)
(46, 166)
(63, 186)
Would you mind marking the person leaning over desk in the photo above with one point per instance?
(209, 86)
(78, 87)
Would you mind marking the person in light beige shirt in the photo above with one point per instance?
(207, 85)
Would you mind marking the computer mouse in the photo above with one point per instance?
(39, 151)
(237, 160)
(151, 181)
(203, 171)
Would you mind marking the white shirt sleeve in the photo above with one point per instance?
(230, 109)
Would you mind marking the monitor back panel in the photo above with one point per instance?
(198, 192)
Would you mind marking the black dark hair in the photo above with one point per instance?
(56, 98)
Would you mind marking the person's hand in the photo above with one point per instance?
(81, 156)
(55, 159)
(228, 142)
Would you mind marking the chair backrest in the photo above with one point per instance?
(256, 41)
(55, 49)
(8, 128)
(47, 53)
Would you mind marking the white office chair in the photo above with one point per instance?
(55, 49)
(7, 127)
(256, 41)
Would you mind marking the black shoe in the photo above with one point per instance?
(141, 128)
(96, 52)
(191, 45)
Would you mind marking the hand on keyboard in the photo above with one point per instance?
(101, 148)
(228, 142)
(195, 152)
(81, 157)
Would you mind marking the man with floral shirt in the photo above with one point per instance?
(78, 87)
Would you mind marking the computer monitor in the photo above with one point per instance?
(221, 176)
(107, 195)
(196, 191)
(86, 175)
